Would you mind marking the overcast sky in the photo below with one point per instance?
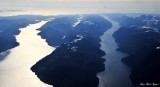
(74, 4)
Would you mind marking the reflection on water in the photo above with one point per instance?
(3, 55)
(15, 69)
(116, 74)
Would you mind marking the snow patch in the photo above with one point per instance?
(63, 37)
(146, 27)
(158, 48)
(80, 37)
(74, 48)
(78, 21)
(88, 22)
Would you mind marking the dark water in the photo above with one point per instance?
(116, 74)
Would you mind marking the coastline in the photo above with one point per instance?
(116, 73)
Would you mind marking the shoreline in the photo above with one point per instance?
(15, 70)
(115, 70)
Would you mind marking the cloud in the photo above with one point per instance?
(73, 4)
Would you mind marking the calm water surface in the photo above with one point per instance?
(116, 73)
(15, 68)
